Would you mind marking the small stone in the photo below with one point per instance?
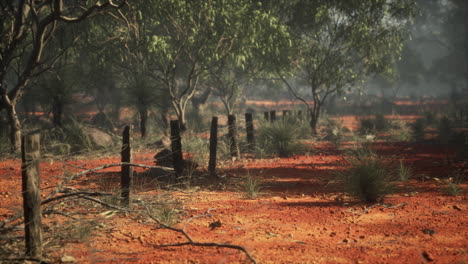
(457, 208)
(362, 237)
(67, 259)
(345, 240)
(428, 256)
(332, 234)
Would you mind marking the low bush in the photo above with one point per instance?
(372, 125)
(404, 172)
(444, 129)
(280, 138)
(368, 179)
(417, 129)
(334, 131)
(252, 187)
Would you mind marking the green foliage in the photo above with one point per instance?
(372, 125)
(197, 147)
(334, 131)
(166, 215)
(401, 131)
(418, 128)
(71, 134)
(252, 187)
(444, 130)
(453, 189)
(404, 172)
(280, 138)
(367, 179)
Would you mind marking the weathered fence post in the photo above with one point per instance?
(272, 116)
(266, 116)
(285, 114)
(30, 155)
(299, 115)
(213, 147)
(249, 127)
(176, 146)
(126, 170)
(232, 131)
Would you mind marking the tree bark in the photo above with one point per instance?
(126, 170)
(232, 131)
(143, 119)
(213, 147)
(57, 110)
(15, 128)
(31, 189)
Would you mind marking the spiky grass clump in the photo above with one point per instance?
(252, 187)
(368, 179)
(404, 172)
(280, 138)
(334, 132)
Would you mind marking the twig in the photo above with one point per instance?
(191, 242)
(73, 194)
(50, 211)
(104, 203)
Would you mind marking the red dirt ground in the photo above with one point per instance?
(301, 215)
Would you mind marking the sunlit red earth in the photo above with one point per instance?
(301, 215)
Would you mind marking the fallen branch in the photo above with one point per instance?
(191, 242)
(71, 177)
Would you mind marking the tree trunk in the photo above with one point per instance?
(143, 119)
(57, 110)
(15, 128)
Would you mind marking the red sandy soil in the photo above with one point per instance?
(300, 217)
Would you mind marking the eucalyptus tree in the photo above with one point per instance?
(26, 28)
(334, 45)
(193, 38)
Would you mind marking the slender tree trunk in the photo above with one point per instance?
(57, 110)
(143, 119)
(15, 128)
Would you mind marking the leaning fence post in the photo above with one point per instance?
(232, 136)
(249, 127)
(126, 170)
(30, 154)
(272, 116)
(266, 116)
(176, 145)
(213, 147)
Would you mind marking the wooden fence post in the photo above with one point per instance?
(249, 127)
(272, 116)
(126, 170)
(213, 147)
(299, 115)
(30, 154)
(232, 131)
(176, 146)
(266, 116)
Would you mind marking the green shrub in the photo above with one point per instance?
(197, 147)
(252, 187)
(404, 172)
(401, 131)
(444, 130)
(71, 134)
(417, 129)
(334, 132)
(372, 125)
(280, 138)
(368, 179)
(453, 189)
(366, 126)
